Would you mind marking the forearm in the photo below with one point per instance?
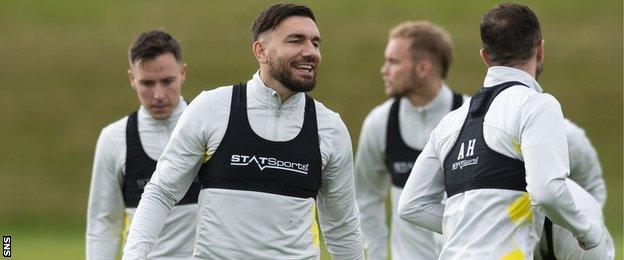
(427, 216)
(343, 239)
(371, 188)
(104, 248)
(420, 202)
(105, 208)
(547, 187)
(148, 221)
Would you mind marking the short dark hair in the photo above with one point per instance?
(428, 38)
(151, 44)
(510, 33)
(274, 15)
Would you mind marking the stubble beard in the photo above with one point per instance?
(414, 83)
(538, 70)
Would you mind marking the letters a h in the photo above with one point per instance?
(469, 151)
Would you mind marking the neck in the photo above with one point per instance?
(421, 96)
(283, 92)
(529, 66)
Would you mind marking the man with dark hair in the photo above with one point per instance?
(267, 156)
(501, 159)
(126, 153)
(418, 57)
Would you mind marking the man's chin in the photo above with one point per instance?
(160, 115)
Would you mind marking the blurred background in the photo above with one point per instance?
(63, 77)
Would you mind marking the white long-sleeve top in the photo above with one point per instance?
(107, 214)
(521, 123)
(373, 179)
(585, 167)
(565, 245)
(243, 214)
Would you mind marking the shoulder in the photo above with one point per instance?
(115, 130)
(452, 122)
(217, 95)
(579, 146)
(378, 116)
(540, 105)
(327, 120)
(573, 131)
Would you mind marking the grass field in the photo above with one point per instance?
(62, 78)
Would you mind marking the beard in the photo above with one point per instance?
(410, 85)
(538, 70)
(280, 70)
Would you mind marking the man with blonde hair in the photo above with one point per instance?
(417, 60)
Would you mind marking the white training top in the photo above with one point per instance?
(589, 193)
(585, 168)
(246, 215)
(565, 246)
(373, 179)
(107, 214)
(521, 123)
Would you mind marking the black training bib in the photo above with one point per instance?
(400, 157)
(140, 167)
(246, 161)
(471, 164)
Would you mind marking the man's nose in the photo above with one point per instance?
(159, 92)
(309, 49)
(384, 69)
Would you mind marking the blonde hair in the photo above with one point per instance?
(428, 38)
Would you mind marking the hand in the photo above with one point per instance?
(586, 242)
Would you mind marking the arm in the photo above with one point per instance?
(372, 182)
(338, 213)
(585, 168)
(545, 154)
(174, 173)
(421, 200)
(105, 212)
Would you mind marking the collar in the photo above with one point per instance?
(500, 74)
(269, 97)
(145, 115)
(442, 101)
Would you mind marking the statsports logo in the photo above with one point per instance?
(269, 162)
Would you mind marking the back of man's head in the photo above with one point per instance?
(274, 15)
(510, 33)
(151, 44)
(427, 40)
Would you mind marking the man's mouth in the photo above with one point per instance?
(305, 68)
(159, 107)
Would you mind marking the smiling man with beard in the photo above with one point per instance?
(249, 210)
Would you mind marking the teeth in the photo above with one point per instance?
(307, 67)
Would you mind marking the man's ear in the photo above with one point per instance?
(183, 72)
(423, 68)
(485, 58)
(259, 51)
(539, 51)
(131, 78)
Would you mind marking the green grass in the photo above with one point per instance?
(65, 241)
(62, 78)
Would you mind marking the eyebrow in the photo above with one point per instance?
(146, 81)
(299, 35)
